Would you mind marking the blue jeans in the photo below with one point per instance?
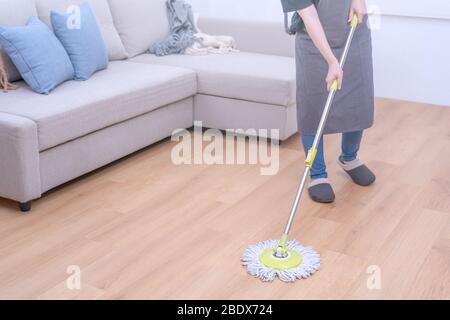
(351, 143)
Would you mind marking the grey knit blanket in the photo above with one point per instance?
(182, 29)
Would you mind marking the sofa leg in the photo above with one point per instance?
(25, 206)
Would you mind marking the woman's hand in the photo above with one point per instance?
(335, 72)
(359, 8)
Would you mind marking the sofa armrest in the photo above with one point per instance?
(265, 37)
(19, 159)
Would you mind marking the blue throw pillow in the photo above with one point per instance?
(37, 54)
(80, 35)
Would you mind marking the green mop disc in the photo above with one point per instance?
(293, 260)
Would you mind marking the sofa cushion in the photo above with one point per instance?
(247, 76)
(116, 50)
(83, 42)
(123, 91)
(140, 23)
(15, 13)
(38, 55)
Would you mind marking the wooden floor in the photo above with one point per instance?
(146, 229)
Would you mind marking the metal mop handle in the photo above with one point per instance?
(309, 162)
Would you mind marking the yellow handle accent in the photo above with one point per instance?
(334, 86)
(284, 240)
(311, 158)
(282, 246)
(355, 21)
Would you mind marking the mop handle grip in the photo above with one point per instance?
(355, 21)
(334, 86)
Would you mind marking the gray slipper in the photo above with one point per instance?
(320, 190)
(359, 172)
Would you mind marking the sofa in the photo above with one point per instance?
(140, 99)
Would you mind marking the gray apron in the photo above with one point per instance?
(353, 107)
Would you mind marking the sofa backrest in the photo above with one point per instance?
(140, 23)
(116, 50)
(15, 13)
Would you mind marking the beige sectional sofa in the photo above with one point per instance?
(46, 141)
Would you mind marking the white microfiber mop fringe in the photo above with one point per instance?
(309, 266)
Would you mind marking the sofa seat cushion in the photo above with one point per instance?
(247, 76)
(123, 91)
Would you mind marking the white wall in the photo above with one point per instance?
(411, 47)
(414, 8)
(412, 59)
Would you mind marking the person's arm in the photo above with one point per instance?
(315, 30)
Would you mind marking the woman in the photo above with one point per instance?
(320, 42)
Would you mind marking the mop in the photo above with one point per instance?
(288, 260)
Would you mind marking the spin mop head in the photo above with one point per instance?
(299, 262)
